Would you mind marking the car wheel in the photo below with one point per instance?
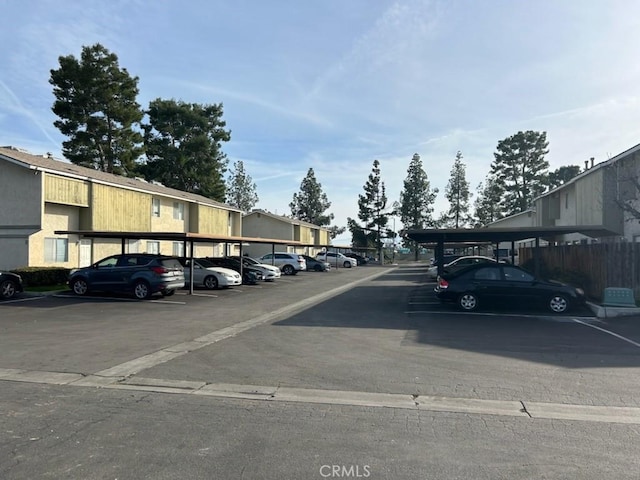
(79, 286)
(559, 304)
(288, 270)
(168, 293)
(141, 290)
(468, 302)
(346, 264)
(211, 282)
(318, 268)
(7, 289)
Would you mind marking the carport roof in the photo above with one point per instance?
(503, 234)
(178, 237)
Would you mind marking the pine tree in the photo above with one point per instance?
(371, 212)
(520, 170)
(97, 110)
(183, 142)
(416, 199)
(487, 203)
(241, 190)
(562, 175)
(458, 195)
(310, 203)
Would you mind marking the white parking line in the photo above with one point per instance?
(636, 344)
(4, 302)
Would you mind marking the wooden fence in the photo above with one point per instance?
(592, 267)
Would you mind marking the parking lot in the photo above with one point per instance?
(368, 351)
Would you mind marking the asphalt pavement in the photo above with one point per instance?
(354, 373)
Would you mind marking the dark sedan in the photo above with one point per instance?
(10, 285)
(502, 284)
(314, 265)
(250, 275)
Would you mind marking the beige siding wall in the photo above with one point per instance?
(21, 192)
(214, 221)
(118, 209)
(55, 217)
(568, 206)
(67, 191)
(589, 195)
(325, 238)
(14, 252)
(169, 220)
(263, 226)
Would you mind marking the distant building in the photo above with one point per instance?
(594, 198)
(260, 223)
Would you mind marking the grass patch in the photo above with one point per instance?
(47, 288)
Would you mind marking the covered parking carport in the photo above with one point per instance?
(494, 236)
(188, 240)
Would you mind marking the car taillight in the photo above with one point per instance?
(443, 284)
(160, 270)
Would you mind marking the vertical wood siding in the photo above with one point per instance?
(212, 220)
(116, 209)
(67, 191)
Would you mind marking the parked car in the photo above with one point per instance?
(360, 260)
(250, 275)
(463, 262)
(337, 259)
(289, 263)
(10, 285)
(269, 272)
(496, 283)
(316, 265)
(432, 271)
(141, 274)
(209, 276)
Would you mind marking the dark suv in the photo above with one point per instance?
(141, 274)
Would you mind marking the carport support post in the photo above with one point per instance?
(191, 267)
(439, 255)
(536, 258)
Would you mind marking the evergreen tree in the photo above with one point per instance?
(520, 170)
(487, 203)
(310, 203)
(458, 195)
(562, 175)
(241, 190)
(371, 213)
(183, 142)
(97, 110)
(415, 208)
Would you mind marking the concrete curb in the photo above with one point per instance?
(601, 311)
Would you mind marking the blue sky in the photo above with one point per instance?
(335, 84)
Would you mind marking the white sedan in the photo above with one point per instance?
(209, 276)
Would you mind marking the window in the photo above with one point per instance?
(56, 250)
(268, 256)
(153, 247)
(178, 211)
(155, 207)
(517, 275)
(134, 246)
(489, 273)
(108, 262)
(178, 249)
